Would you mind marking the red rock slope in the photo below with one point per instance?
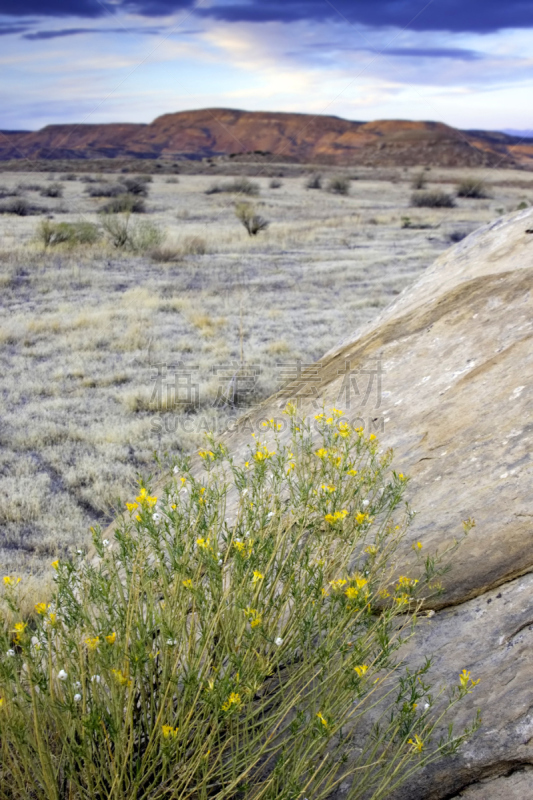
(301, 137)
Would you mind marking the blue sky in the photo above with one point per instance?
(463, 62)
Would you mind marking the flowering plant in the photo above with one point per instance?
(238, 632)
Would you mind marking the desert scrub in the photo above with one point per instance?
(124, 204)
(433, 199)
(473, 188)
(68, 233)
(252, 222)
(314, 182)
(52, 190)
(237, 186)
(339, 185)
(126, 234)
(209, 653)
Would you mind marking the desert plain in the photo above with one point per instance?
(110, 355)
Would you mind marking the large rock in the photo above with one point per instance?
(457, 399)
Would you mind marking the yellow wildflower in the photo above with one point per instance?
(290, 409)
(464, 678)
(206, 455)
(338, 583)
(361, 518)
(320, 416)
(351, 593)
(202, 543)
(132, 506)
(233, 700)
(322, 453)
(111, 638)
(11, 581)
(42, 608)
(417, 743)
(371, 550)
(372, 437)
(405, 583)
(1, 702)
(344, 429)
(352, 472)
(122, 679)
(93, 643)
(18, 630)
(417, 546)
(257, 576)
(55, 564)
(169, 732)
(322, 720)
(361, 670)
(145, 500)
(336, 517)
(327, 487)
(187, 583)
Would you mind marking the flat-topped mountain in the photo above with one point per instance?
(304, 138)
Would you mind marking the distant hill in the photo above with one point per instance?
(304, 138)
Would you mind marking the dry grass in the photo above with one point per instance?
(83, 328)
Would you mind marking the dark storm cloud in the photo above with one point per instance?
(75, 31)
(6, 31)
(475, 16)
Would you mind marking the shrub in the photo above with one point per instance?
(124, 203)
(473, 188)
(238, 186)
(172, 179)
(436, 199)
(251, 221)
(20, 206)
(457, 236)
(193, 246)
(54, 190)
(105, 189)
(137, 185)
(69, 176)
(521, 206)
(165, 255)
(124, 234)
(71, 233)
(203, 658)
(6, 192)
(275, 183)
(29, 187)
(314, 182)
(419, 181)
(339, 185)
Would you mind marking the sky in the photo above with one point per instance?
(468, 63)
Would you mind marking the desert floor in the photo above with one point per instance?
(93, 338)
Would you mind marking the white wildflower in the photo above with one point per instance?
(172, 642)
(95, 678)
(62, 675)
(176, 470)
(77, 698)
(278, 641)
(10, 652)
(365, 503)
(105, 542)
